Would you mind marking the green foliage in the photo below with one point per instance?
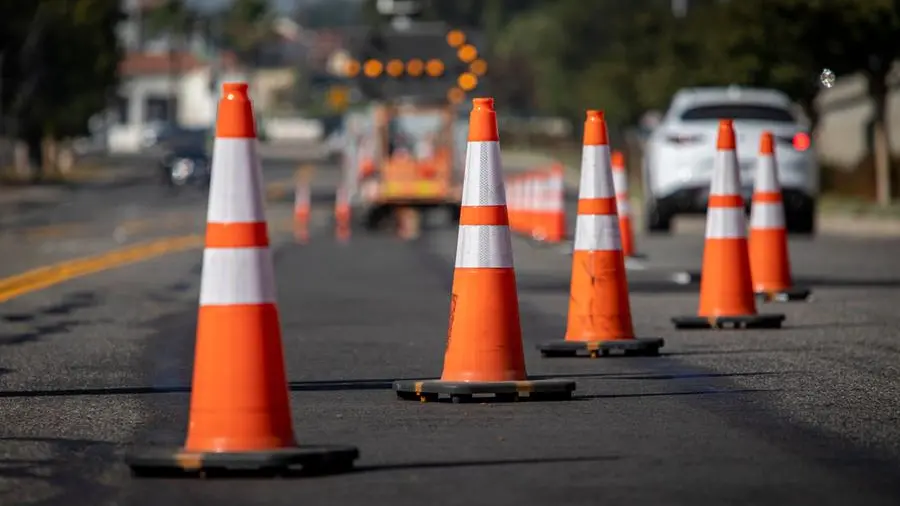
(171, 17)
(60, 63)
(628, 57)
(246, 24)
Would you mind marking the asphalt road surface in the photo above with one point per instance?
(809, 414)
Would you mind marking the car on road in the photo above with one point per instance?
(679, 153)
(186, 164)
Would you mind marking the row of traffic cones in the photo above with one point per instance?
(736, 271)
(303, 211)
(240, 416)
(537, 204)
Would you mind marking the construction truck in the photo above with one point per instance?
(405, 152)
(407, 158)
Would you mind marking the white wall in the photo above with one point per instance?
(841, 136)
(196, 104)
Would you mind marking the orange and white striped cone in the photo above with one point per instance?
(484, 352)
(599, 318)
(620, 181)
(301, 211)
(726, 290)
(240, 415)
(342, 214)
(770, 265)
(556, 205)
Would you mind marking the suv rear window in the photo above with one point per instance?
(738, 112)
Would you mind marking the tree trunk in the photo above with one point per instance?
(880, 144)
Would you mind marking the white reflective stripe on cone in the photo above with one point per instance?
(726, 179)
(596, 177)
(302, 196)
(484, 246)
(483, 184)
(237, 276)
(623, 206)
(620, 182)
(725, 223)
(236, 188)
(766, 175)
(597, 232)
(767, 215)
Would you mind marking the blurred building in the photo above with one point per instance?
(843, 137)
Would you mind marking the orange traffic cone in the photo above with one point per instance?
(726, 291)
(556, 205)
(770, 265)
(599, 307)
(240, 416)
(620, 181)
(301, 210)
(484, 342)
(342, 214)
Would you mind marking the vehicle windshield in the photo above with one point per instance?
(751, 112)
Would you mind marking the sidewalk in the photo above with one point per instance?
(832, 220)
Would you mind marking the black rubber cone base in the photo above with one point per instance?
(502, 391)
(304, 460)
(643, 346)
(757, 321)
(790, 295)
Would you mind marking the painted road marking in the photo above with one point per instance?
(50, 275)
(275, 190)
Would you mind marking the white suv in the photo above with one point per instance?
(679, 153)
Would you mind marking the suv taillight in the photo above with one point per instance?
(801, 141)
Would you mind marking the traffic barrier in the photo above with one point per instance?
(599, 318)
(240, 416)
(484, 352)
(620, 181)
(726, 290)
(770, 265)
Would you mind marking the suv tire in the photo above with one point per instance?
(657, 219)
(801, 221)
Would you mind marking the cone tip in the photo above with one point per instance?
(766, 143)
(486, 103)
(235, 90)
(595, 129)
(617, 159)
(235, 115)
(483, 121)
(726, 141)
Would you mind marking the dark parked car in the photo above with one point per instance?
(185, 165)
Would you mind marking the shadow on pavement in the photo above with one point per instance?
(356, 385)
(482, 463)
(692, 280)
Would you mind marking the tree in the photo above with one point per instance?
(786, 43)
(246, 24)
(60, 67)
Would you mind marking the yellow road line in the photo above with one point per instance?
(274, 191)
(50, 275)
